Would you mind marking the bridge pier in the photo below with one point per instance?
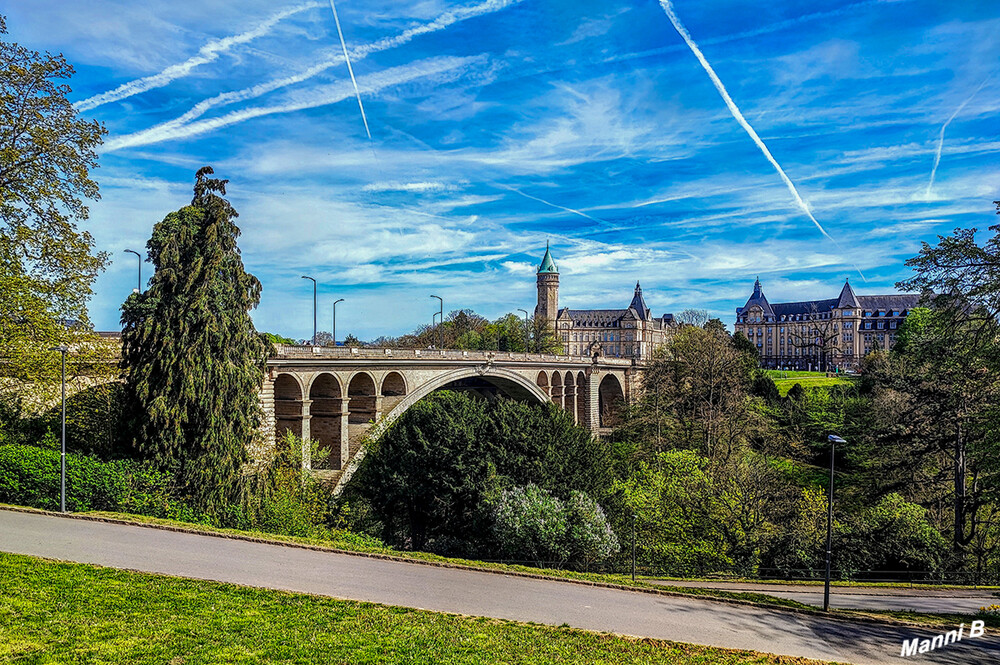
(569, 401)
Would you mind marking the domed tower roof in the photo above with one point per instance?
(548, 266)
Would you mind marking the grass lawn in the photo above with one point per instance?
(61, 612)
(785, 380)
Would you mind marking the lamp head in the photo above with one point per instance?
(833, 438)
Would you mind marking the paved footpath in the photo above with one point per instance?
(942, 601)
(474, 593)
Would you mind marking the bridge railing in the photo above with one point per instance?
(347, 352)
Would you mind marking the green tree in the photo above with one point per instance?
(678, 517)
(192, 360)
(699, 389)
(950, 365)
(429, 476)
(275, 338)
(47, 265)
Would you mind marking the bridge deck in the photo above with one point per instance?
(284, 351)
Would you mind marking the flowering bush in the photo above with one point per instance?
(532, 525)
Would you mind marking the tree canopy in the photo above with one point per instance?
(47, 264)
(192, 360)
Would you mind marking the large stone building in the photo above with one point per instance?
(631, 333)
(822, 334)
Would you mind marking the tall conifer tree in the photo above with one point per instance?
(192, 360)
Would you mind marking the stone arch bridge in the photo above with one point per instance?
(336, 396)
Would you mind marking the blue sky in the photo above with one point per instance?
(501, 124)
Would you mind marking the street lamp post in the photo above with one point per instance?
(441, 322)
(526, 338)
(62, 495)
(834, 440)
(634, 518)
(335, 321)
(139, 284)
(313, 341)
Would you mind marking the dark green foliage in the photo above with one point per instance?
(30, 476)
(763, 386)
(428, 477)
(744, 345)
(94, 423)
(193, 362)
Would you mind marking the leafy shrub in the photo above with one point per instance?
(30, 476)
(589, 537)
(279, 498)
(531, 524)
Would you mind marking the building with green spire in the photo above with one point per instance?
(632, 332)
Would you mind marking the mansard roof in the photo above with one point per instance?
(847, 299)
(636, 310)
(895, 301)
(805, 307)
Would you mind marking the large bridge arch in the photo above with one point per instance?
(509, 382)
(610, 401)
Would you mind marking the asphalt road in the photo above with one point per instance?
(960, 601)
(474, 593)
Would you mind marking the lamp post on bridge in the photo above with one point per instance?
(440, 323)
(139, 283)
(312, 342)
(526, 338)
(834, 440)
(335, 321)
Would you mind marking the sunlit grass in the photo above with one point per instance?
(58, 612)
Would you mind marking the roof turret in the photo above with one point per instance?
(547, 266)
(638, 304)
(847, 297)
(758, 298)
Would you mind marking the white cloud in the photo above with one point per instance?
(409, 187)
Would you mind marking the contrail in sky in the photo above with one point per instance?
(682, 31)
(443, 21)
(207, 53)
(550, 204)
(937, 155)
(347, 58)
(319, 96)
(757, 32)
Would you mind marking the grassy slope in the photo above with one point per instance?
(59, 612)
(785, 380)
